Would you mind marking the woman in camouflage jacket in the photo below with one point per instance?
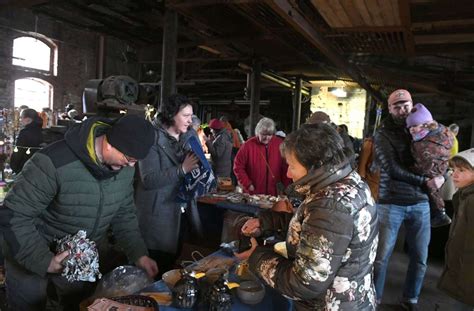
(331, 239)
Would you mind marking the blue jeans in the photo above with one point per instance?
(416, 219)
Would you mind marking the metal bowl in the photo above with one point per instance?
(251, 292)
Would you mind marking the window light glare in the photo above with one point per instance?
(339, 92)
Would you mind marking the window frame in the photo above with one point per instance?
(53, 55)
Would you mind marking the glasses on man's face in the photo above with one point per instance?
(129, 159)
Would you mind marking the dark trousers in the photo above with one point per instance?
(30, 292)
(167, 261)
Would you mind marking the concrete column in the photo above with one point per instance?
(297, 105)
(169, 54)
(255, 95)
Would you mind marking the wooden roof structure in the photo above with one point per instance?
(426, 46)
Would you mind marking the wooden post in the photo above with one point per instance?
(169, 54)
(297, 104)
(101, 58)
(255, 95)
(472, 134)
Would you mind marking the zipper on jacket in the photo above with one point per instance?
(99, 211)
(266, 167)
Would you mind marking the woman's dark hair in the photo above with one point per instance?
(315, 145)
(29, 113)
(173, 104)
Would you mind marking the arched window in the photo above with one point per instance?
(34, 53)
(34, 93)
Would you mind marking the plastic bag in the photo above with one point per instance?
(122, 281)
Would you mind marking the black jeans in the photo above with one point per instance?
(29, 291)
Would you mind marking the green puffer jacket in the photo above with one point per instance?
(63, 188)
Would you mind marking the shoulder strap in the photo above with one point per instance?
(268, 165)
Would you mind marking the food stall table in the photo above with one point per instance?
(272, 301)
(221, 203)
(217, 215)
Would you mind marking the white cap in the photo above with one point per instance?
(467, 155)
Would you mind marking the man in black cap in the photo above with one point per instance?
(83, 182)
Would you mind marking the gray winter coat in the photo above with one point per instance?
(221, 151)
(159, 215)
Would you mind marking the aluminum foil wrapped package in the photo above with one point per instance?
(82, 264)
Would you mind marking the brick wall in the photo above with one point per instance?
(77, 61)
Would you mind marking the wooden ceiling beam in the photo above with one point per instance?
(200, 3)
(443, 24)
(195, 25)
(442, 10)
(245, 13)
(454, 38)
(199, 59)
(22, 3)
(404, 7)
(285, 10)
(98, 29)
(110, 24)
(401, 79)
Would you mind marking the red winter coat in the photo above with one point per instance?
(250, 166)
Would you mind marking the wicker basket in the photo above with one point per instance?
(138, 300)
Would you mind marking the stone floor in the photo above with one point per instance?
(431, 298)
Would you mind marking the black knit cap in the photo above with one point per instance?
(132, 135)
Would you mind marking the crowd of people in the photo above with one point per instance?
(125, 176)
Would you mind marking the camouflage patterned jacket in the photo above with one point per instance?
(331, 243)
(432, 153)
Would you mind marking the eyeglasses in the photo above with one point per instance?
(129, 159)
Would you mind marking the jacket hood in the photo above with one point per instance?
(81, 139)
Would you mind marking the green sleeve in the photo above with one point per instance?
(32, 192)
(126, 230)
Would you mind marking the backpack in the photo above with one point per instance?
(367, 167)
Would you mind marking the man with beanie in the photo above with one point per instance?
(402, 200)
(83, 182)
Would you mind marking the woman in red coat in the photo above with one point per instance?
(259, 166)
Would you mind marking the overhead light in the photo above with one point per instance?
(339, 92)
